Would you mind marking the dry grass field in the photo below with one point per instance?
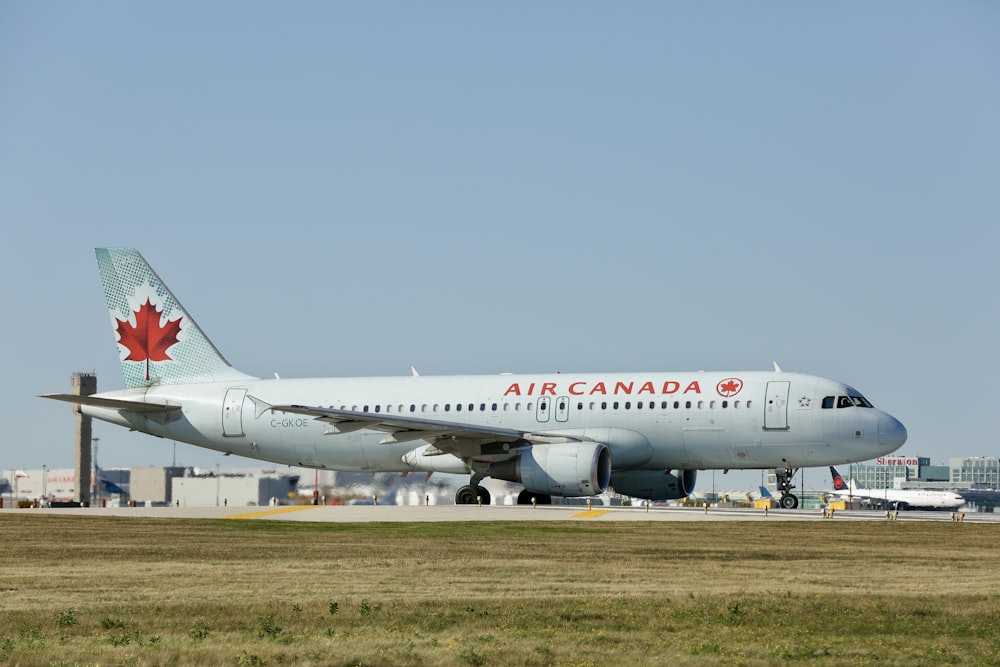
(132, 591)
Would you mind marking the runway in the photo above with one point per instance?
(451, 513)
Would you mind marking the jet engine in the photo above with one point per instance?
(654, 484)
(571, 469)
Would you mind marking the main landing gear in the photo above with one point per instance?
(472, 493)
(788, 500)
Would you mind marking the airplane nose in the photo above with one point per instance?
(891, 432)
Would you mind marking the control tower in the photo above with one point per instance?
(83, 384)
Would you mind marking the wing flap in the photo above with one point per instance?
(461, 439)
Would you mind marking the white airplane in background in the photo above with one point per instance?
(644, 434)
(897, 499)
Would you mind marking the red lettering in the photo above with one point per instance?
(647, 388)
(693, 387)
(670, 387)
(573, 390)
(598, 389)
(513, 389)
(549, 388)
(531, 388)
(625, 388)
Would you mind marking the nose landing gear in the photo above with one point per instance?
(788, 500)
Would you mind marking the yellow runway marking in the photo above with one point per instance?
(279, 510)
(589, 514)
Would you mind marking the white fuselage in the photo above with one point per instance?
(648, 420)
(906, 498)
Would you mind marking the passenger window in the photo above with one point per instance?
(638, 405)
(413, 408)
(628, 405)
(494, 407)
(736, 404)
(447, 407)
(604, 405)
(482, 407)
(366, 408)
(458, 407)
(677, 404)
(615, 405)
(687, 404)
(579, 406)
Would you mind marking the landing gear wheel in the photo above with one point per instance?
(465, 496)
(471, 495)
(784, 476)
(524, 498)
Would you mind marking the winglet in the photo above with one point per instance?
(777, 368)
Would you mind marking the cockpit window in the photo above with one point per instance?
(856, 400)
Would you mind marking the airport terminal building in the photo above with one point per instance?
(917, 472)
(976, 478)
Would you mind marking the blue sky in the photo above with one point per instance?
(355, 188)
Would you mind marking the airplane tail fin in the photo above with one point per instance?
(838, 482)
(764, 493)
(158, 342)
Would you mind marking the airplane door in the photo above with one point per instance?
(562, 409)
(232, 413)
(542, 409)
(776, 405)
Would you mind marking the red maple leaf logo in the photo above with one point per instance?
(838, 483)
(729, 387)
(147, 340)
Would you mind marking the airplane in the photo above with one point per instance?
(897, 499)
(645, 434)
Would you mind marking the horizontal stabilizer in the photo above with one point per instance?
(115, 403)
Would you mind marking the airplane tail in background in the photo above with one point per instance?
(158, 342)
(839, 484)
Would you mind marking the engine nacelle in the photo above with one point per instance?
(571, 469)
(654, 484)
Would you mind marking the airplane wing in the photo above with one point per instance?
(139, 407)
(462, 440)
